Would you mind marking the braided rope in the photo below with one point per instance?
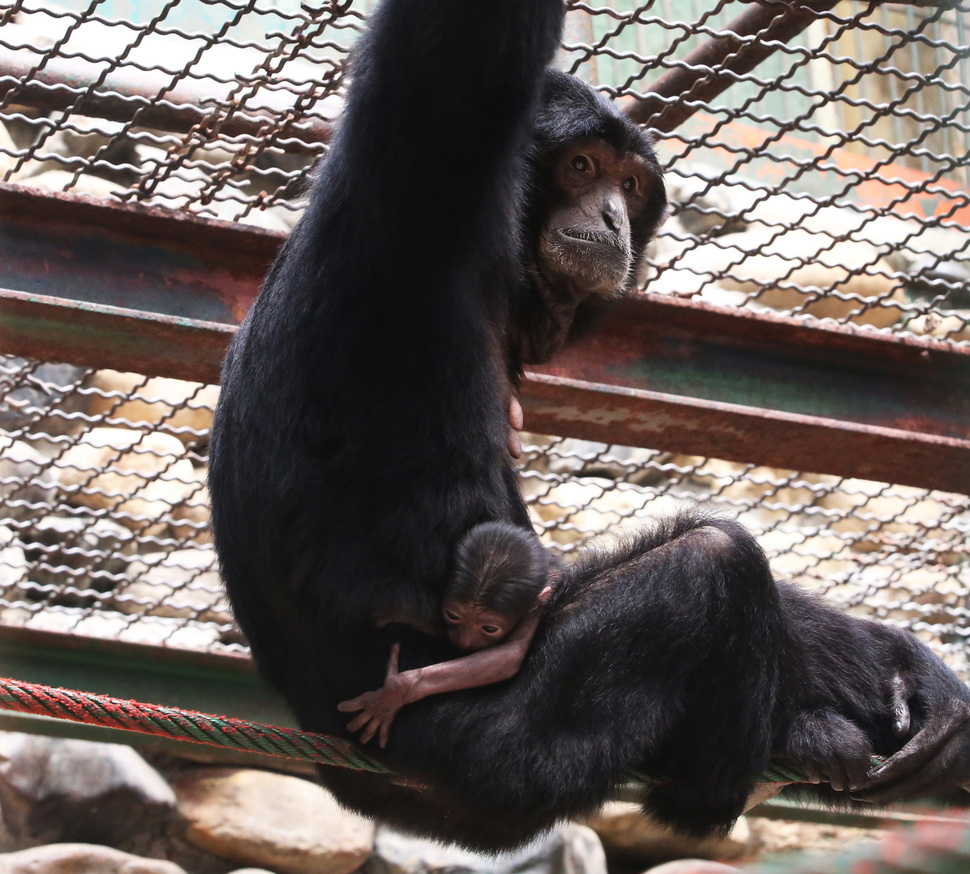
(187, 725)
(223, 731)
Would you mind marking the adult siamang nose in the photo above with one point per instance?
(613, 216)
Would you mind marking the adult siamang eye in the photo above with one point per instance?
(630, 184)
(580, 163)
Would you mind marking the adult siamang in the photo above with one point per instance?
(362, 430)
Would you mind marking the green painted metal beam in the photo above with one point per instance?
(164, 292)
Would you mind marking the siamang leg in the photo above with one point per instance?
(658, 657)
(706, 597)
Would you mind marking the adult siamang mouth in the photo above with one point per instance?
(592, 238)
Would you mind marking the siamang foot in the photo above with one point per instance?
(934, 761)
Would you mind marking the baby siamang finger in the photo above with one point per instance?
(358, 721)
(352, 705)
(370, 731)
(392, 662)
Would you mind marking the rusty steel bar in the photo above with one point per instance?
(678, 93)
(130, 256)
(62, 83)
(96, 335)
(660, 372)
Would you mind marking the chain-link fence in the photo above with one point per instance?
(829, 182)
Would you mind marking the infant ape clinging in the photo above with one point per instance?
(500, 587)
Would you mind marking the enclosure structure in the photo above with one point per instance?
(800, 356)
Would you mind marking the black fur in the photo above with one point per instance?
(834, 708)
(362, 429)
(500, 567)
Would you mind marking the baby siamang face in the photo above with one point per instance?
(471, 627)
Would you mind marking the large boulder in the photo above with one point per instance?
(274, 821)
(81, 859)
(54, 790)
(628, 835)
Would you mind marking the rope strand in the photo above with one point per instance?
(222, 731)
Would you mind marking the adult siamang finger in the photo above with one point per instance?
(516, 419)
(924, 746)
(352, 705)
(902, 719)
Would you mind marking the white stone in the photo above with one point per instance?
(569, 849)
(139, 476)
(81, 859)
(170, 406)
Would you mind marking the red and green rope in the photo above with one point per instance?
(217, 731)
(171, 722)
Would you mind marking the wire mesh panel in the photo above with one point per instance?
(103, 515)
(829, 182)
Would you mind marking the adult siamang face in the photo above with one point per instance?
(597, 192)
(599, 198)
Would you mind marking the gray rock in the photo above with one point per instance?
(571, 849)
(13, 562)
(77, 554)
(55, 790)
(22, 493)
(285, 824)
(934, 277)
(29, 390)
(184, 584)
(81, 859)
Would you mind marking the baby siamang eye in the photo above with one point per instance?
(490, 629)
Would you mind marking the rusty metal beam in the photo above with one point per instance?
(658, 372)
(679, 92)
(130, 256)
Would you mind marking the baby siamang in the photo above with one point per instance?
(362, 430)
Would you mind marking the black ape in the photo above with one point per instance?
(362, 430)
